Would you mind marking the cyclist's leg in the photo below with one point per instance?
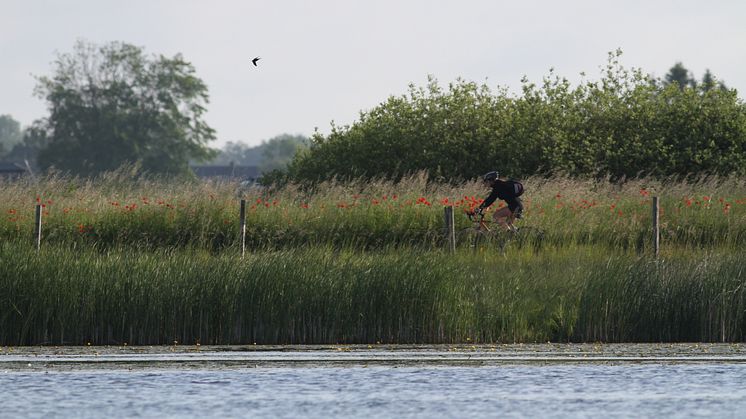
(516, 210)
(504, 218)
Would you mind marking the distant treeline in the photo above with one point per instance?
(626, 124)
(272, 154)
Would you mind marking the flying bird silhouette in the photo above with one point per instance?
(255, 60)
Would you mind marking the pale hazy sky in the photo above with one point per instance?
(325, 60)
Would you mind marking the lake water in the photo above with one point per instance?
(380, 381)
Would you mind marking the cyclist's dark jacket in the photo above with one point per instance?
(504, 191)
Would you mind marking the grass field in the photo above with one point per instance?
(153, 262)
(113, 211)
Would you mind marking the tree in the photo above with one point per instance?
(238, 153)
(112, 105)
(272, 154)
(709, 82)
(280, 150)
(10, 133)
(620, 126)
(27, 151)
(680, 75)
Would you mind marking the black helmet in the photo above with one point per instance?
(490, 176)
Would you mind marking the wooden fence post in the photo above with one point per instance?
(656, 226)
(37, 226)
(450, 229)
(243, 227)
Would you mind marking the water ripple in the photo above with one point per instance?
(316, 386)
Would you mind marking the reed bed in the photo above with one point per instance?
(112, 211)
(398, 295)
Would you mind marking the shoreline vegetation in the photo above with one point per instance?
(312, 296)
(156, 261)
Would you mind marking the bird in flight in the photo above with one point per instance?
(255, 60)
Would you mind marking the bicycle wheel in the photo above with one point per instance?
(479, 240)
(528, 236)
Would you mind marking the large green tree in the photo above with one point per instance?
(112, 105)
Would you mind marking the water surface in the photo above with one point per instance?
(380, 381)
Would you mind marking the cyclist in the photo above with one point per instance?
(509, 191)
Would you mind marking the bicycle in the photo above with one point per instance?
(481, 236)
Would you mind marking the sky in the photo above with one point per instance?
(328, 60)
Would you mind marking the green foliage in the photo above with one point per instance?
(322, 295)
(624, 125)
(110, 105)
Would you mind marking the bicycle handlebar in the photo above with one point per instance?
(473, 216)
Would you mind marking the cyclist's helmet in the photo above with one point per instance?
(490, 176)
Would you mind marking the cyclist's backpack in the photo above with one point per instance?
(517, 186)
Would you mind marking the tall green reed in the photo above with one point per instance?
(397, 295)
